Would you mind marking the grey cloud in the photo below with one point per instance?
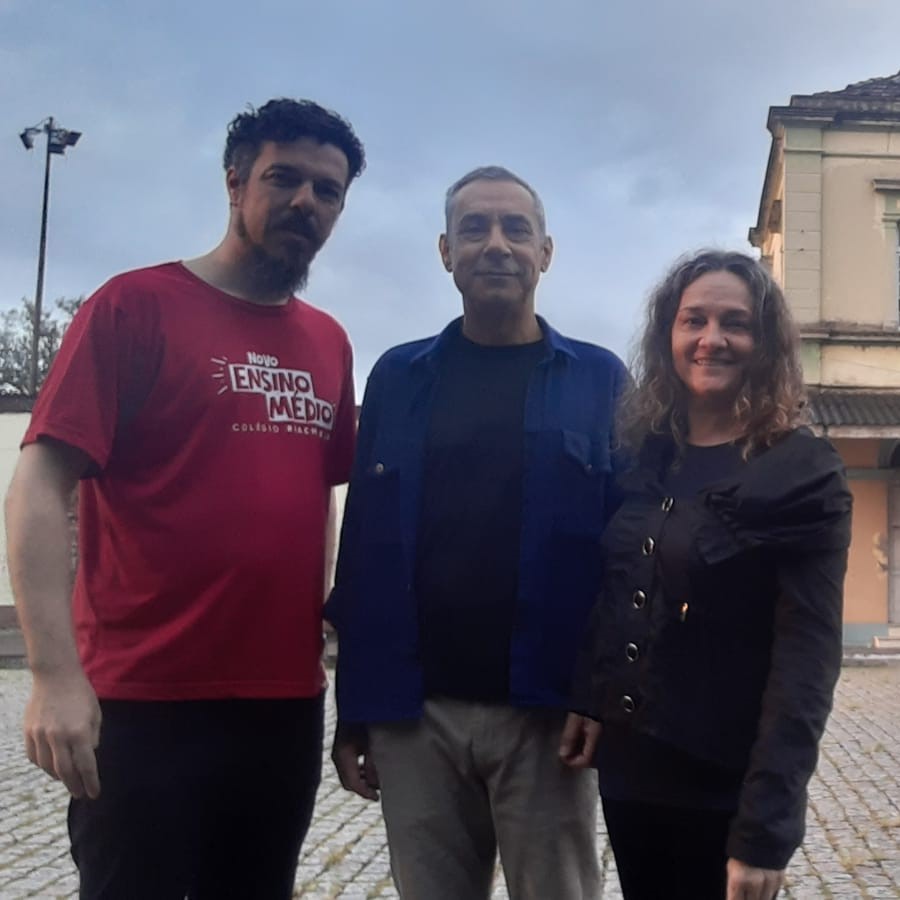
(641, 124)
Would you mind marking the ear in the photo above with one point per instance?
(546, 253)
(444, 250)
(233, 185)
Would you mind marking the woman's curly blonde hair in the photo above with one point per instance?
(772, 399)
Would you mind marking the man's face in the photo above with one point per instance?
(286, 208)
(495, 245)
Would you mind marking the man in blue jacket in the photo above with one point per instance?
(468, 565)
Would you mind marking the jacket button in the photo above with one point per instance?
(628, 704)
(379, 468)
(588, 468)
(667, 504)
(632, 652)
(638, 599)
(648, 546)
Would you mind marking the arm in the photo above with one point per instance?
(62, 719)
(804, 667)
(350, 750)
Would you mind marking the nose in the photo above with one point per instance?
(304, 197)
(496, 243)
(713, 336)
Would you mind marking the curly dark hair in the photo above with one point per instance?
(772, 399)
(285, 120)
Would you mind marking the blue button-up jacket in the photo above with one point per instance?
(566, 498)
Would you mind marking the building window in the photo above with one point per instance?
(889, 191)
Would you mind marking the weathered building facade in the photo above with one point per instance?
(829, 229)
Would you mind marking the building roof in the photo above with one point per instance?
(874, 88)
(851, 408)
(864, 104)
(876, 99)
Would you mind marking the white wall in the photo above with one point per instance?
(12, 429)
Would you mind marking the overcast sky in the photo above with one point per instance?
(641, 124)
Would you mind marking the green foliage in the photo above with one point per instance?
(16, 329)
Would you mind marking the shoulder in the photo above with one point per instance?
(398, 359)
(149, 278)
(136, 287)
(799, 457)
(794, 494)
(322, 324)
(595, 354)
(129, 301)
(591, 356)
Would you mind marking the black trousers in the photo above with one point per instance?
(208, 800)
(668, 852)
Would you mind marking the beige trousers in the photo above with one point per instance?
(469, 779)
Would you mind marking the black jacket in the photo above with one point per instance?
(718, 625)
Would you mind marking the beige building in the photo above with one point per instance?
(829, 228)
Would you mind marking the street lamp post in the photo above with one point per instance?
(57, 141)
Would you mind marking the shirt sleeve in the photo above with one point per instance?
(95, 380)
(619, 455)
(805, 664)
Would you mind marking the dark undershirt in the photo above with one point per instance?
(468, 541)
(638, 768)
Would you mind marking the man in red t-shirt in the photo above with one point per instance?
(205, 412)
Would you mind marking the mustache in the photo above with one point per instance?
(300, 225)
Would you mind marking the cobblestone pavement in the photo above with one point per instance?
(852, 848)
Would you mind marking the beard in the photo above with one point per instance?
(273, 275)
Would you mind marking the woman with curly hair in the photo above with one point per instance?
(709, 667)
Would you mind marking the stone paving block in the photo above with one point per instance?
(852, 848)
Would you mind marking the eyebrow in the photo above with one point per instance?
(287, 169)
(281, 167)
(505, 219)
(472, 219)
(700, 307)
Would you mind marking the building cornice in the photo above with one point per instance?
(768, 218)
(849, 333)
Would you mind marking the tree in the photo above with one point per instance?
(16, 327)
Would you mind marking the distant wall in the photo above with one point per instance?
(12, 429)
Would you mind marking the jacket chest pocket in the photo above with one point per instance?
(584, 467)
(380, 497)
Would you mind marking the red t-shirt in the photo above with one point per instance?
(216, 428)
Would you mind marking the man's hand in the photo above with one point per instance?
(578, 741)
(749, 883)
(62, 730)
(350, 755)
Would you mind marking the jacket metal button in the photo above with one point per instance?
(638, 599)
(667, 504)
(632, 652)
(628, 704)
(379, 468)
(648, 546)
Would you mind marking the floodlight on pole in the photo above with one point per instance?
(58, 139)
